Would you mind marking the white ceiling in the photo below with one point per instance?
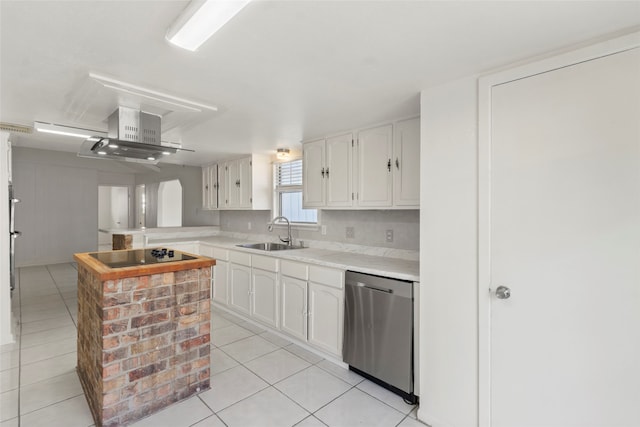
(280, 72)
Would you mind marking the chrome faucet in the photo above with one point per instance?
(288, 240)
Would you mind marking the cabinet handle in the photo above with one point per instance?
(322, 172)
(389, 165)
(397, 164)
(327, 172)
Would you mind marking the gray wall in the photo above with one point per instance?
(58, 213)
(369, 226)
(191, 179)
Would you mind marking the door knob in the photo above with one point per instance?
(502, 292)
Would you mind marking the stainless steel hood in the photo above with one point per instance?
(133, 136)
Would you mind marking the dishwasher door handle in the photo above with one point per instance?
(362, 285)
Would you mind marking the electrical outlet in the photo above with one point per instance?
(389, 236)
(248, 226)
(351, 233)
(323, 230)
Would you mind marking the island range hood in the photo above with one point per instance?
(133, 136)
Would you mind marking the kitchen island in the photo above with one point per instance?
(143, 330)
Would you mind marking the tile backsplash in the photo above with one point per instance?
(364, 227)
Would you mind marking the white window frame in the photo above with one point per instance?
(312, 226)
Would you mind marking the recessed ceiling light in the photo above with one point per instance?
(166, 153)
(151, 158)
(113, 146)
(200, 20)
(102, 153)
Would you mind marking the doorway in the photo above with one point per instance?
(170, 204)
(559, 245)
(113, 212)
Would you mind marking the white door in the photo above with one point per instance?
(113, 211)
(374, 166)
(233, 184)
(406, 163)
(313, 180)
(339, 190)
(565, 238)
(141, 206)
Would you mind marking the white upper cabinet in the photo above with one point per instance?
(210, 187)
(339, 189)
(313, 170)
(244, 183)
(380, 169)
(406, 163)
(327, 179)
(374, 167)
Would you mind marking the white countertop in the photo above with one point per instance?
(397, 268)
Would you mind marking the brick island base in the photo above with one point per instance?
(143, 342)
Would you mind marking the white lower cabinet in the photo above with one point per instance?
(294, 307)
(264, 296)
(326, 317)
(220, 276)
(301, 300)
(313, 305)
(240, 282)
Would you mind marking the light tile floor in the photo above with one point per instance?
(257, 377)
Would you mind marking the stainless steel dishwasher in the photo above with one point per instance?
(378, 331)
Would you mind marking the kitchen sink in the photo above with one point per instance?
(269, 246)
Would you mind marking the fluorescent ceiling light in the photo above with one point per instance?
(200, 20)
(66, 130)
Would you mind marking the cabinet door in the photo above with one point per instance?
(326, 318)
(210, 187)
(294, 307)
(245, 178)
(206, 182)
(374, 166)
(339, 189)
(223, 182)
(313, 181)
(233, 184)
(264, 296)
(219, 291)
(406, 163)
(240, 288)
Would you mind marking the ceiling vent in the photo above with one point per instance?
(9, 127)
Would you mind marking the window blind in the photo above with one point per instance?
(289, 173)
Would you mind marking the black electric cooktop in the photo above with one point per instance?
(134, 257)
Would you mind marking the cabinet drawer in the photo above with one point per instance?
(240, 258)
(294, 269)
(264, 263)
(206, 250)
(326, 276)
(221, 254)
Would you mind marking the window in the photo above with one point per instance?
(288, 194)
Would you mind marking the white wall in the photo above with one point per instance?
(448, 255)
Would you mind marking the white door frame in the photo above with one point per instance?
(485, 85)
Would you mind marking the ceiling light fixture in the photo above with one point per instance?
(282, 153)
(200, 20)
(124, 87)
(66, 130)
